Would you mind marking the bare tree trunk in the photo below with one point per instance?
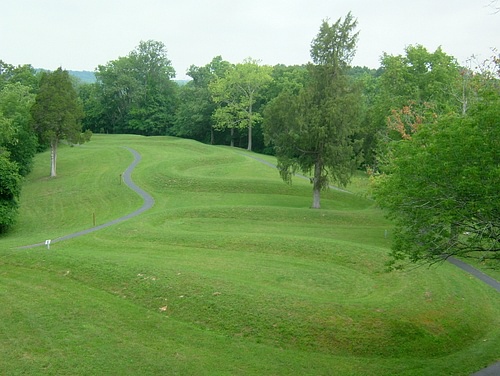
(464, 96)
(317, 185)
(212, 137)
(53, 158)
(232, 137)
(249, 148)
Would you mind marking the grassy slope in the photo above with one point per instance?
(230, 273)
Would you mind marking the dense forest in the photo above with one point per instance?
(326, 118)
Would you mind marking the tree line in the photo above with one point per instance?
(325, 119)
(37, 111)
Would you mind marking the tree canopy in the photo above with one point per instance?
(236, 94)
(16, 134)
(442, 184)
(406, 89)
(135, 93)
(18, 142)
(196, 105)
(10, 189)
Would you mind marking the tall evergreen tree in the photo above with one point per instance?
(312, 131)
(57, 113)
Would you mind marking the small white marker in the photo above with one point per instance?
(47, 243)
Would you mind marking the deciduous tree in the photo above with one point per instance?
(23, 74)
(419, 84)
(18, 138)
(10, 188)
(153, 111)
(442, 187)
(236, 93)
(196, 106)
(136, 91)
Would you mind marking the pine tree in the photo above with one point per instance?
(313, 131)
(57, 113)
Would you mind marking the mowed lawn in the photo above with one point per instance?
(230, 273)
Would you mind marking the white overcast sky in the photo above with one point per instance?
(82, 34)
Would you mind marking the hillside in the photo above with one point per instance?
(229, 273)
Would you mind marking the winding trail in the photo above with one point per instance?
(127, 179)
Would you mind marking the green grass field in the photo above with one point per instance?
(230, 273)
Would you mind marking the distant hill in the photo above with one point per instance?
(84, 76)
(181, 82)
(89, 77)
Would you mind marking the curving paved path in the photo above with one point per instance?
(476, 273)
(127, 179)
(494, 369)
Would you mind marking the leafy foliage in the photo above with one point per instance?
(236, 93)
(408, 120)
(23, 74)
(135, 94)
(10, 188)
(18, 142)
(286, 78)
(410, 89)
(196, 106)
(16, 134)
(335, 45)
(443, 185)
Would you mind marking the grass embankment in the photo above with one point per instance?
(229, 273)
